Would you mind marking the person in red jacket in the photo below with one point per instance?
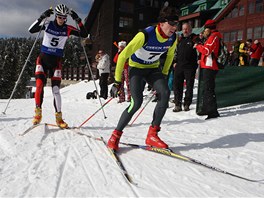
(209, 68)
(125, 75)
(256, 51)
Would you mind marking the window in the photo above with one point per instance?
(226, 37)
(229, 15)
(141, 16)
(257, 32)
(185, 12)
(259, 6)
(156, 4)
(233, 36)
(249, 33)
(241, 10)
(223, 2)
(235, 12)
(251, 8)
(202, 7)
(125, 22)
(126, 7)
(240, 35)
(196, 23)
(191, 23)
(148, 2)
(142, 2)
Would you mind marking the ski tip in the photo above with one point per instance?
(131, 181)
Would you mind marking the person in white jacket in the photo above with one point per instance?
(104, 70)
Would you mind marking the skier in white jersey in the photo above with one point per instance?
(49, 62)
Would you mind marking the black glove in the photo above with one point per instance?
(165, 76)
(46, 14)
(197, 40)
(75, 16)
(115, 90)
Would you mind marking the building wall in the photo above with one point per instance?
(102, 30)
(233, 24)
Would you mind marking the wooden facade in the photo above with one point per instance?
(237, 20)
(243, 20)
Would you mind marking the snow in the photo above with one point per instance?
(50, 162)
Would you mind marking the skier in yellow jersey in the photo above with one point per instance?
(144, 52)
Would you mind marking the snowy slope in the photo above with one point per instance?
(52, 162)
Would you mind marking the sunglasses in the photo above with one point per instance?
(173, 23)
(62, 18)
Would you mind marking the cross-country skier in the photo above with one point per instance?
(144, 52)
(49, 62)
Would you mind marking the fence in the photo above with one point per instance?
(235, 85)
(78, 73)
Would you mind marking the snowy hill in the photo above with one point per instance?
(52, 162)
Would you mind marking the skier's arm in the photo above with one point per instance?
(36, 27)
(136, 43)
(82, 31)
(169, 58)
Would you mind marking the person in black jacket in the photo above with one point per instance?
(185, 68)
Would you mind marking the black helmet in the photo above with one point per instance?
(62, 10)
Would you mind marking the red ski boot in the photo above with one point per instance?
(114, 140)
(153, 139)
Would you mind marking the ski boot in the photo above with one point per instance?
(38, 116)
(60, 121)
(114, 140)
(153, 139)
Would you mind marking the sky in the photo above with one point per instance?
(50, 162)
(18, 15)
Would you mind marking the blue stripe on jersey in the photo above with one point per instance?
(52, 51)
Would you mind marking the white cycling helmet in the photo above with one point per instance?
(62, 10)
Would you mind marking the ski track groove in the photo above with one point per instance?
(27, 189)
(85, 170)
(101, 169)
(108, 154)
(62, 171)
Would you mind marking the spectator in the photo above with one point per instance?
(185, 68)
(104, 70)
(209, 68)
(125, 75)
(256, 51)
(236, 54)
(244, 50)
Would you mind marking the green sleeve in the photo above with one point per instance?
(169, 58)
(136, 43)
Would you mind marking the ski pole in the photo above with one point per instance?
(90, 70)
(94, 113)
(23, 68)
(143, 108)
